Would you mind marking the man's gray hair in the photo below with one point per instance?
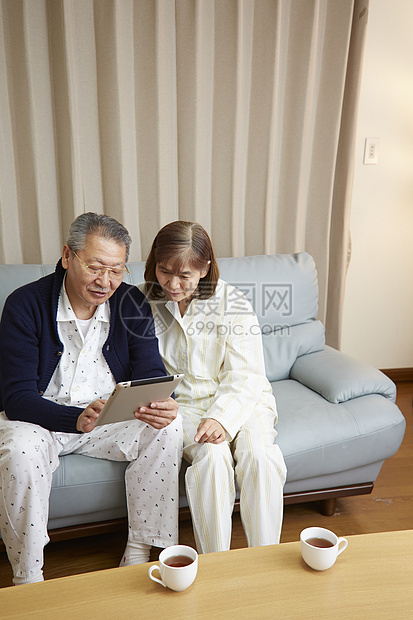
(97, 224)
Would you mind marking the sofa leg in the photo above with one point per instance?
(328, 506)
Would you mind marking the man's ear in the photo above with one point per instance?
(65, 256)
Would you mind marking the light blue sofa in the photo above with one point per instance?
(337, 418)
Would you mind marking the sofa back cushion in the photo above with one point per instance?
(282, 289)
(14, 276)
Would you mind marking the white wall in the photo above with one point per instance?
(378, 308)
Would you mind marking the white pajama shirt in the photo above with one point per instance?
(217, 345)
(151, 477)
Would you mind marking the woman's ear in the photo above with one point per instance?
(205, 271)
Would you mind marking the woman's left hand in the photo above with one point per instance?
(210, 431)
(158, 414)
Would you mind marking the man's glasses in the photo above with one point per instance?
(115, 273)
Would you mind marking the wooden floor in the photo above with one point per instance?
(388, 508)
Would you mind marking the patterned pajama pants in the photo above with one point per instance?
(251, 460)
(29, 454)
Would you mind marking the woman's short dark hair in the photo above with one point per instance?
(178, 244)
(97, 224)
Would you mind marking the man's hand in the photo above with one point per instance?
(159, 414)
(86, 421)
(210, 431)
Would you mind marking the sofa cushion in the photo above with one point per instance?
(318, 437)
(282, 288)
(82, 484)
(14, 276)
(285, 344)
(340, 377)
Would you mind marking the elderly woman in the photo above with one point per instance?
(208, 331)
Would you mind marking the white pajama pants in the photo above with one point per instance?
(29, 454)
(251, 460)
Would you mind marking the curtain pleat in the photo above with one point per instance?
(238, 114)
(10, 245)
(339, 248)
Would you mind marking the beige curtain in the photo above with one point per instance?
(239, 114)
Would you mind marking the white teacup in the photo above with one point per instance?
(178, 566)
(320, 547)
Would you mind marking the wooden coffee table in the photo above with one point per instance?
(373, 578)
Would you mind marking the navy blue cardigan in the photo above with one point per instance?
(30, 349)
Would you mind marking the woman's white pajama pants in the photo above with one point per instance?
(251, 460)
(29, 454)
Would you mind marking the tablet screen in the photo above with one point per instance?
(128, 396)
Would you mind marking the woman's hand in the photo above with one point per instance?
(86, 421)
(158, 414)
(210, 431)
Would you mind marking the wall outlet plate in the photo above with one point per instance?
(371, 151)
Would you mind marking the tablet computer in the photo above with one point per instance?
(128, 396)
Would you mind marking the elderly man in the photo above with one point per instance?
(66, 340)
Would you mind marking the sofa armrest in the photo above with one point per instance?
(339, 377)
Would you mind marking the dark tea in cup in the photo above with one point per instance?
(319, 542)
(178, 561)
